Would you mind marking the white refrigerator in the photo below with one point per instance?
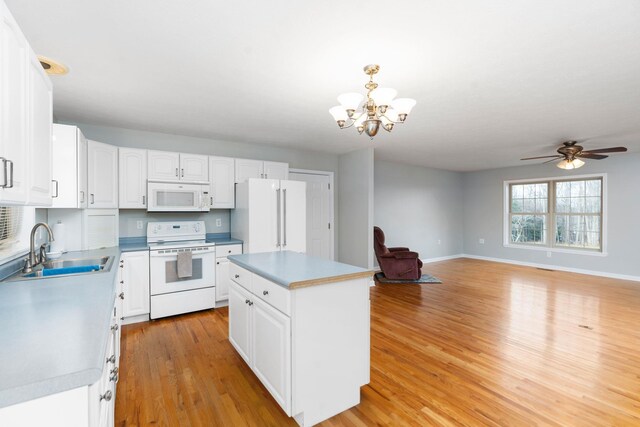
(270, 215)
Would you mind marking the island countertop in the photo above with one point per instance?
(295, 270)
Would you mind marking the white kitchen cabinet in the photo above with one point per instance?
(69, 167)
(271, 350)
(276, 170)
(25, 120)
(170, 166)
(222, 279)
(135, 283)
(132, 182)
(194, 167)
(240, 321)
(163, 165)
(222, 182)
(246, 169)
(102, 175)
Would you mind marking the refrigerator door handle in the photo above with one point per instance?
(284, 219)
(278, 216)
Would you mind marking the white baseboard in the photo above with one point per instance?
(442, 258)
(554, 267)
(135, 319)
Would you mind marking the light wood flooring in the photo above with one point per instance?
(495, 344)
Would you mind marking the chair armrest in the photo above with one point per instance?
(399, 249)
(405, 255)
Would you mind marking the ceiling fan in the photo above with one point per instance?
(571, 153)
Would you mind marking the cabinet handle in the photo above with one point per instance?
(246, 301)
(176, 171)
(107, 396)
(55, 181)
(278, 217)
(182, 174)
(211, 200)
(121, 282)
(5, 177)
(250, 303)
(114, 327)
(113, 378)
(121, 295)
(237, 276)
(93, 198)
(265, 292)
(284, 219)
(218, 263)
(111, 359)
(228, 251)
(10, 162)
(144, 200)
(81, 196)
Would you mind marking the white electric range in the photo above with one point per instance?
(170, 294)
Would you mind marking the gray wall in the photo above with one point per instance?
(420, 208)
(483, 215)
(129, 220)
(355, 195)
(302, 159)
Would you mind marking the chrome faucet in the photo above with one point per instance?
(33, 259)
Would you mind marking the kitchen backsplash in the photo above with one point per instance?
(129, 220)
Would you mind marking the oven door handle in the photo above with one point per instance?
(195, 255)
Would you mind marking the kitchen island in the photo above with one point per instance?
(302, 324)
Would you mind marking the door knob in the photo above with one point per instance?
(265, 292)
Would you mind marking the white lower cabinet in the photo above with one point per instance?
(240, 321)
(222, 271)
(134, 269)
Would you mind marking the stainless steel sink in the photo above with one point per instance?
(104, 264)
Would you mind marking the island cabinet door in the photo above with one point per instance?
(240, 321)
(271, 339)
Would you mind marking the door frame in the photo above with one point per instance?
(331, 200)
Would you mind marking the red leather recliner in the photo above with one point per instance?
(396, 263)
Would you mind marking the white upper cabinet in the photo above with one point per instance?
(222, 182)
(194, 167)
(169, 166)
(69, 149)
(133, 178)
(163, 165)
(25, 120)
(246, 169)
(276, 170)
(103, 175)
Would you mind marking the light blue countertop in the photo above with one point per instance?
(132, 244)
(293, 269)
(55, 331)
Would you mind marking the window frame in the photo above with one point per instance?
(550, 242)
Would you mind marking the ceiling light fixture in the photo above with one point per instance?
(52, 67)
(570, 164)
(379, 107)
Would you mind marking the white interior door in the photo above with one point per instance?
(319, 213)
(294, 215)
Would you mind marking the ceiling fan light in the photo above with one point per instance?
(351, 100)
(338, 113)
(570, 164)
(403, 105)
(383, 96)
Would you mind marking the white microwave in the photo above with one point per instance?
(166, 196)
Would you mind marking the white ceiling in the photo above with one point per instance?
(494, 80)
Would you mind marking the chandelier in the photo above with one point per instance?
(379, 107)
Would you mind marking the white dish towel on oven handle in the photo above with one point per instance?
(184, 265)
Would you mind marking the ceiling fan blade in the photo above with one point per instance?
(552, 160)
(541, 157)
(592, 156)
(607, 150)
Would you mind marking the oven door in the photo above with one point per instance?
(176, 197)
(164, 270)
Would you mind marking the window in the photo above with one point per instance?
(15, 225)
(556, 213)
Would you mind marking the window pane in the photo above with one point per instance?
(516, 191)
(594, 187)
(541, 205)
(529, 205)
(577, 205)
(541, 191)
(577, 188)
(592, 205)
(563, 204)
(528, 228)
(516, 205)
(530, 191)
(578, 231)
(563, 189)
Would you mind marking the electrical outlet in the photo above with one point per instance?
(439, 241)
(481, 241)
(218, 222)
(139, 225)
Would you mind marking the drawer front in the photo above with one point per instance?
(241, 276)
(226, 250)
(273, 294)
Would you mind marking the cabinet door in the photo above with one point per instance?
(13, 111)
(222, 279)
(194, 167)
(271, 351)
(222, 181)
(64, 174)
(246, 169)
(132, 182)
(135, 278)
(239, 321)
(83, 178)
(265, 231)
(40, 122)
(163, 165)
(276, 170)
(103, 175)
(294, 215)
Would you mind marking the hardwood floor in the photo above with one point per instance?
(495, 344)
